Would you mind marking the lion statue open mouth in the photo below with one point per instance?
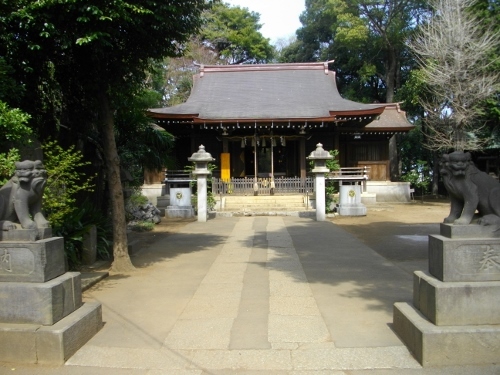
(21, 197)
(470, 190)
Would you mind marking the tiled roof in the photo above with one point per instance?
(393, 118)
(306, 91)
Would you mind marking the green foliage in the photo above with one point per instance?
(64, 181)
(7, 165)
(333, 164)
(233, 33)
(9, 89)
(137, 199)
(13, 124)
(77, 225)
(142, 226)
(14, 130)
(366, 38)
(141, 144)
(418, 177)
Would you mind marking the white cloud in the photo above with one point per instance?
(279, 18)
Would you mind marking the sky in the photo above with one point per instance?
(279, 18)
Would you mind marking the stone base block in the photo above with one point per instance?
(446, 346)
(468, 231)
(184, 212)
(352, 210)
(457, 303)
(464, 259)
(26, 235)
(34, 262)
(40, 303)
(29, 343)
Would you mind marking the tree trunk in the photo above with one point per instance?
(435, 175)
(121, 261)
(390, 81)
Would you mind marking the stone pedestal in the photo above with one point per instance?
(42, 317)
(350, 201)
(184, 212)
(180, 203)
(455, 316)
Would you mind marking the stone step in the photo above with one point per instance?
(264, 203)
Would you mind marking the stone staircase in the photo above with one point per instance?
(262, 205)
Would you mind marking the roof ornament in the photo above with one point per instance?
(325, 64)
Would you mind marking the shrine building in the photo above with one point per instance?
(263, 120)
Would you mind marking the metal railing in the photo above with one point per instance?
(265, 186)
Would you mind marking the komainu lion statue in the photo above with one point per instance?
(21, 197)
(470, 190)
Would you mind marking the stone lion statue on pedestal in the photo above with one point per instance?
(470, 189)
(21, 197)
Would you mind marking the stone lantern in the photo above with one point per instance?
(201, 160)
(319, 157)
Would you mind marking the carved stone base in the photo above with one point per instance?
(40, 303)
(34, 262)
(42, 319)
(454, 319)
(464, 259)
(50, 345)
(184, 212)
(445, 345)
(25, 234)
(456, 303)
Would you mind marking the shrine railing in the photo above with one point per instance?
(245, 186)
(350, 175)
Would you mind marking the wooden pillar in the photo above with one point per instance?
(336, 140)
(336, 143)
(302, 158)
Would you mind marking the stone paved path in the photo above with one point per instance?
(252, 295)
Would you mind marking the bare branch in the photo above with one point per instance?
(454, 53)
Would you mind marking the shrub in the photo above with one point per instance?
(79, 223)
(64, 181)
(141, 226)
(68, 218)
(7, 165)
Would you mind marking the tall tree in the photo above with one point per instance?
(229, 35)
(92, 50)
(233, 33)
(367, 40)
(454, 51)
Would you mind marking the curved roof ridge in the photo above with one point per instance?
(264, 67)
